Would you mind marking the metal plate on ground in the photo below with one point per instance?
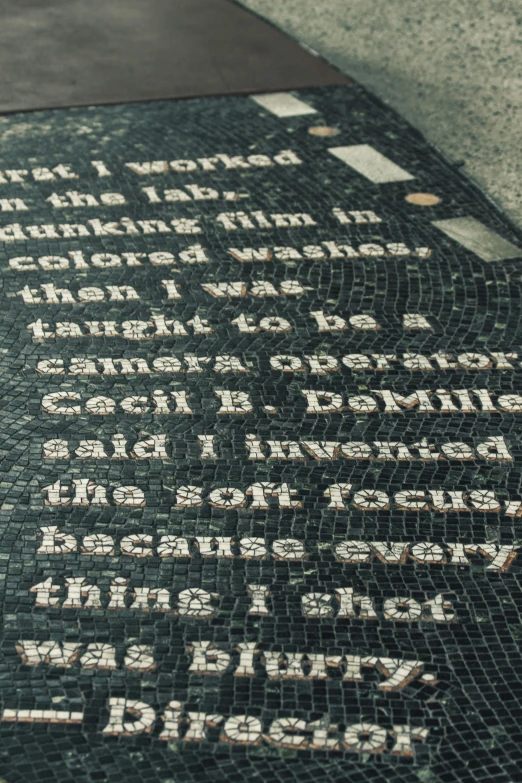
(261, 457)
(139, 50)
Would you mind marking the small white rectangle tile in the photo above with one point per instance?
(481, 240)
(370, 163)
(283, 104)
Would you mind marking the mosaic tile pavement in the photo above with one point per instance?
(261, 486)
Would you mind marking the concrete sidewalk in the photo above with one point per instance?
(453, 69)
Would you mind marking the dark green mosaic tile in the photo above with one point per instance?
(261, 487)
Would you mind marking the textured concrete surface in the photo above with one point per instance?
(72, 53)
(453, 69)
